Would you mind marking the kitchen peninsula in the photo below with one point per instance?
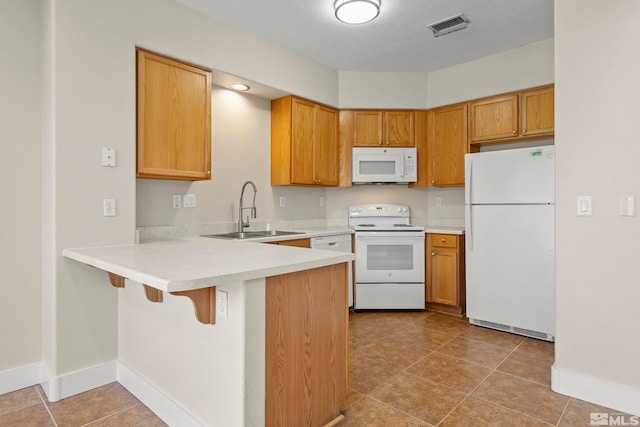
(276, 355)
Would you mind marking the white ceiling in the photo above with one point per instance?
(398, 40)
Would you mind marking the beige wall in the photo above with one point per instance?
(20, 129)
(90, 88)
(520, 68)
(525, 67)
(382, 90)
(597, 154)
(241, 152)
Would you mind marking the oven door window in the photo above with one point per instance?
(390, 257)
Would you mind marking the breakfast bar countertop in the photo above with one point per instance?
(194, 263)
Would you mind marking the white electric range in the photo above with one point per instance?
(389, 264)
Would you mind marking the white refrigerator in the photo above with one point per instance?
(509, 214)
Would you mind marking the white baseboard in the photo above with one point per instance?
(76, 382)
(612, 395)
(155, 399)
(21, 377)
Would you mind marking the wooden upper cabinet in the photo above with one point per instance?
(493, 118)
(537, 112)
(173, 119)
(512, 117)
(447, 142)
(367, 128)
(327, 146)
(304, 143)
(383, 128)
(399, 128)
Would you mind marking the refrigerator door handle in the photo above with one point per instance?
(468, 227)
(467, 179)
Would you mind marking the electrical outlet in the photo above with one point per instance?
(322, 201)
(177, 201)
(189, 200)
(283, 201)
(438, 201)
(222, 303)
(109, 207)
(108, 157)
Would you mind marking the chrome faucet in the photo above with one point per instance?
(241, 223)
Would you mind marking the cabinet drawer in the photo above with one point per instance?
(444, 240)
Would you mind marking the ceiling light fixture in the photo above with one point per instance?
(356, 11)
(239, 87)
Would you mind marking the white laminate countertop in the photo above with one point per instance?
(200, 262)
(444, 229)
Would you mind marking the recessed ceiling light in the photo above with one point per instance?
(356, 11)
(240, 87)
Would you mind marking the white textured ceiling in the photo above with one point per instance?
(398, 40)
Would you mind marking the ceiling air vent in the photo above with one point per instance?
(449, 25)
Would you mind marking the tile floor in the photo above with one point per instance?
(430, 369)
(108, 406)
(406, 369)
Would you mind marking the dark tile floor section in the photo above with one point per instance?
(406, 369)
(110, 405)
(431, 369)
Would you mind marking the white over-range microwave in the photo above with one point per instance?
(384, 165)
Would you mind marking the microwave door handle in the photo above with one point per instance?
(403, 169)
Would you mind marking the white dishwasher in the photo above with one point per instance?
(339, 243)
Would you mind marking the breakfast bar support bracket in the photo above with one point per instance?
(204, 303)
(204, 300)
(153, 294)
(116, 281)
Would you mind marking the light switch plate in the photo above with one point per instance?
(627, 206)
(584, 206)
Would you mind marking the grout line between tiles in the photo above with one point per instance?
(481, 382)
(109, 415)
(387, 404)
(563, 412)
(44, 401)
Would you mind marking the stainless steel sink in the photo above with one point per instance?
(279, 233)
(235, 235)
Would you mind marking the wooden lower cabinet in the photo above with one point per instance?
(445, 274)
(306, 347)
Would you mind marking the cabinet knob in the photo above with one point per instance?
(442, 240)
(433, 181)
(208, 172)
(433, 254)
(524, 131)
(387, 142)
(514, 132)
(379, 142)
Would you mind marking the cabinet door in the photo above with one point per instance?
(447, 131)
(173, 119)
(399, 128)
(443, 276)
(493, 118)
(367, 128)
(326, 146)
(302, 142)
(537, 112)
